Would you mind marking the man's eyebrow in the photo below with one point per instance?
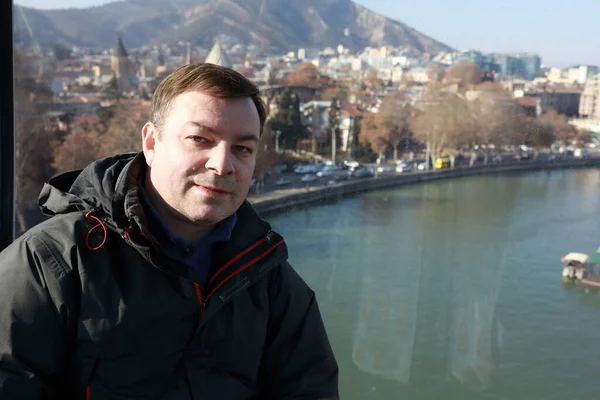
(248, 137)
(201, 126)
(241, 138)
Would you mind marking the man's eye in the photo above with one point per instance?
(243, 149)
(199, 139)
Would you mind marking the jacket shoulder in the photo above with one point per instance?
(51, 242)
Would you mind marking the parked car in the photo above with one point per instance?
(522, 156)
(581, 153)
(308, 178)
(283, 169)
(403, 168)
(385, 168)
(361, 172)
(326, 171)
(441, 163)
(282, 182)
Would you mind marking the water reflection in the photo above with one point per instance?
(411, 282)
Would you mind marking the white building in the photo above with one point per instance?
(589, 105)
(581, 73)
(418, 75)
(218, 56)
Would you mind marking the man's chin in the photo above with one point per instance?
(210, 214)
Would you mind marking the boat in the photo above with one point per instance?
(582, 267)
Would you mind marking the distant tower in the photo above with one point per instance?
(218, 56)
(188, 54)
(123, 68)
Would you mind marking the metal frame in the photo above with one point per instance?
(7, 127)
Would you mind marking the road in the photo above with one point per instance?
(271, 188)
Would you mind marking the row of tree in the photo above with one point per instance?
(449, 122)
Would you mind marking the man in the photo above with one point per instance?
(155, 279)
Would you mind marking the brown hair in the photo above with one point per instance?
(214, 80)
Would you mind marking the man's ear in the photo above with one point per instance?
(149, 140)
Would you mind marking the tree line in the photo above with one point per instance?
(449, 123)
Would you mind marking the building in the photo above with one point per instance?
(468, 56)
(419, 75)
(485, 63)
(529, 66)
(530, 105)
(218, 56)
(315, 116)
(564, 100)
(581, 73)
(506, 65)
(123, 69)
(524, 65)
(352, 115)
(589, 106)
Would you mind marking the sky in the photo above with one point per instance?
(562, 32)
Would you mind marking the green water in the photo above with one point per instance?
(453, 290)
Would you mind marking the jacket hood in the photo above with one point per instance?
(99, 188)
(108, 188)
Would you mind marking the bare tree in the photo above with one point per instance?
(536, 134)
(466, 74)
(393, 120)
(563, 131)
(33, 136)
(389, 127)
(266, 158)
(307, 75)
(123, 131)
(495, 115)
(80, 146)
(371, 135)
(94, 137)
(372, 80)
(441, 122)
(335, 92)
(436, 73)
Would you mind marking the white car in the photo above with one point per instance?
(282, 181)
(403, 168)
(308, 178)
(326, 171)
(385, 168)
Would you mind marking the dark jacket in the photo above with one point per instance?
(125, 321)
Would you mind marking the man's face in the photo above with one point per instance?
(202, 164)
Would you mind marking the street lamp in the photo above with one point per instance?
(277, 134)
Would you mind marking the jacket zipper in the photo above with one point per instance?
(202, 301)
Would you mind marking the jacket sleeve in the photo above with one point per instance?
(298, 362)
(33, 320)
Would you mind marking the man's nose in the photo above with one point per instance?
(220, 160)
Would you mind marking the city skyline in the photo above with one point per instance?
(510, 26)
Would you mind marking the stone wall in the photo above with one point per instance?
(303, 197)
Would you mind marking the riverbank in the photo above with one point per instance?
(290, 199)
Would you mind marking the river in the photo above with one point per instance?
(452, 289)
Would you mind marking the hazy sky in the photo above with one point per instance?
(562, 32)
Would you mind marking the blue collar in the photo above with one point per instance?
(167, 238)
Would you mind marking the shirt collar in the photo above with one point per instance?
(161, 230)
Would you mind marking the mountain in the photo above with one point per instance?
(276, 24)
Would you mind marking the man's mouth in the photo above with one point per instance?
(214, 190)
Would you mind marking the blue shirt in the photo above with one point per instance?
(196, 254)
